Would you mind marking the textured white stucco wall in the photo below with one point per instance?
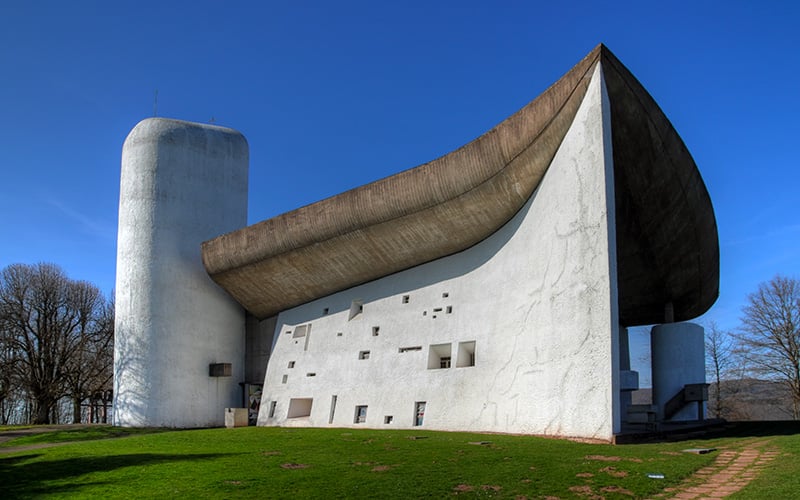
(538, 298)
(181, 184)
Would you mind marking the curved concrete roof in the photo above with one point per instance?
(667, 238)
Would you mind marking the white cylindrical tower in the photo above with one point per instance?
(677, 359)
(181, 184)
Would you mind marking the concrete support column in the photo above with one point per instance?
(677, 359)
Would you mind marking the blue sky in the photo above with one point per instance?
(331, 95)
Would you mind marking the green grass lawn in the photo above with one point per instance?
(344, 463)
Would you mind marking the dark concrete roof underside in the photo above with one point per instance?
(667, 243)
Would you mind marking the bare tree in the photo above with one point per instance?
(771, 334)
(719, 351)
(89, 370)
(45, 316)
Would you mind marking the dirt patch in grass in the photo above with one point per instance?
(294, 466)
(611, 471)
(616, 489)
(585, 491)
(603, 458)
(584, 474)
(381, 468)
(463, 488)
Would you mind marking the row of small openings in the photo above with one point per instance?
(360, 416)
(407, 298)
(436, 310)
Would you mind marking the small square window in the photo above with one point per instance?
(291, 364)
(338, 334)
(284, 379)
(375, 331)
(325, 311)
(388, 419)
(449, 310)
(406, 298)
(445, 295)
(444, 362)
(363, 355)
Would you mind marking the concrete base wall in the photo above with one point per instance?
(535, 306)
(181, 184)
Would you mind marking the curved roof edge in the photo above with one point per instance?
(440, 208)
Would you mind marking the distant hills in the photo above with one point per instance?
(743, 399)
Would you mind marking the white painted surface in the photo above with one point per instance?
(181, 184)
(538, 299)
(677, 358)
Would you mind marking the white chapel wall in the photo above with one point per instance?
(535, 303)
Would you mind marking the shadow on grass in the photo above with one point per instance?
(22, 477)
(756, 429)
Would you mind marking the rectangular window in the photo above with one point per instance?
(333, 408)
(300, 331)
(291, 364)
(419, 413)
(409, 349)
(466, 354)
(300, 407)
(311, 374)
(325, 311)
(363, 355)
(388, 419)
(375, 331)
(361, 415)
(406, 298)
(284, 379)
(356, 308)
(272, 405)
(439, 356)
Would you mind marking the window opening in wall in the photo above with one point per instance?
(437, 309)
(284, 379)
(419, 413)
(424, 313)
(356, 308)
(272, 405)
(375, 331)
(308, 338)
(300, 331)
(333, 408)
(325, 311)
(445, 295)
(287, 332)
(449, 309)
(439, 356)
(338, 334)
(466, 354)
(363, 355)
(291, 364)
(388, 419)
(311, 374)
(406, 298)
(300, 407)
(361, 415)
(409, 349)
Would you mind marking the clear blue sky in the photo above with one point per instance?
(332, 95)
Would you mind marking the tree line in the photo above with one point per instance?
(56, 347)
(766, 346)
